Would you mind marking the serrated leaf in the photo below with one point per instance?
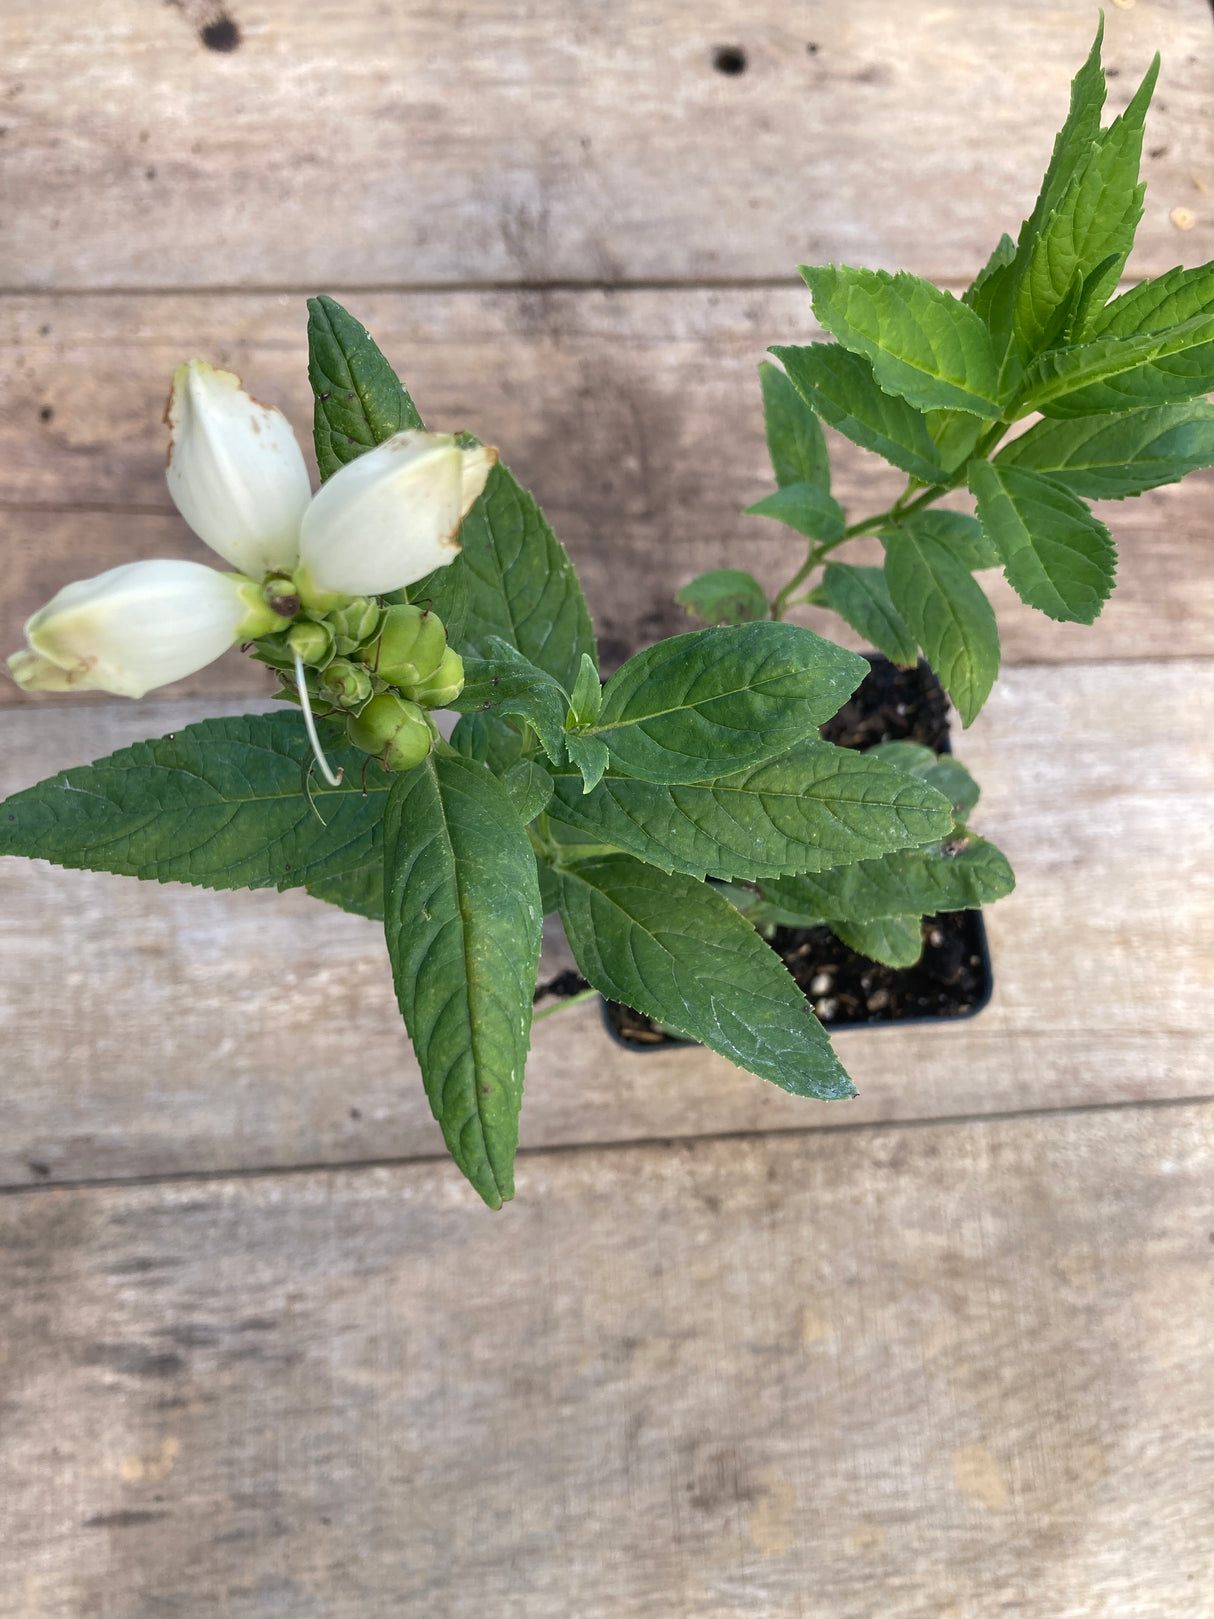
(360, 401)
(506, 685)
(1057, 554)
(1110, 457)
(954, 434)
(528, 787)
(794, 435)
(724, 596)
(219, 804)
(982, 289)
(923, 343)
(961, 875)
(1154, 306)
(586, 698)
(1088, 233)
(678, 952)
(359, 891)
(489, 740)
(804, 507)
(815, 806)
(958, 533)
(701, 705)
(947, 613)
(463, 920)
(861, 597)
(1121, 373)
(520, 584)
(941, 771)
(842, 389)
(894, 941)
(590, 757)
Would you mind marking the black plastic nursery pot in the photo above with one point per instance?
(952, 979)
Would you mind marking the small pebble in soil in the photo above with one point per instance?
(820, 983)
(826, 1008)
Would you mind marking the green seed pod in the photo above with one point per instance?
(444, 685)
(409, 649)
(346, 684)
(313, 642)
(354, 623)
(393, 730)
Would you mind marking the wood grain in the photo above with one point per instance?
(955, 1371)
(634, 415)
(374, 144)
(151, 1029)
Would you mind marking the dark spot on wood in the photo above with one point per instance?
(130, 1518)
(133, 1360)
(47, 413)
(35, 1168)
(356, 1113)
(220, 35)
(811, 49)
(256, 1323)
(730, 60)
(150, 171)
(1157, 151)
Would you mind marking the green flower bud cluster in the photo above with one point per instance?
(380, 667)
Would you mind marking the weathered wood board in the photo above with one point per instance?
(151, 1029)
(634, 415)
(405, 145)
(928, 1374)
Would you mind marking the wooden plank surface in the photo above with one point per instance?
(404, 145)
(929, 1374)
(634, 415)
(140, 1036)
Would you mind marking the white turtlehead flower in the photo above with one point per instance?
(392, 516)
(138, 626)
(236, 472)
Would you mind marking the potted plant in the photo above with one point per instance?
(702, 757)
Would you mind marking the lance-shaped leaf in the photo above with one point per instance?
(954, 433)
(701, 705)
(894, 941)
(520, 584)
(948, 615)
(672, 948)
(1110, 457)
(794, 434)
(724, 596)
(360, 401)
(923, 343)
(861, 597)
(842, 389)
(804, 507)
(1154, 306)
(528, 787)
(489, 740)
(220, 804)
(1057, 554)
(1121, 373)
(958, 533)
(506, 685)
(941, 771)
(815, 806)
(462, 919)
(959, 875)
(590, 756)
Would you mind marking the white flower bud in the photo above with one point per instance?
(138, 626)
(236, 472)
(392, 516)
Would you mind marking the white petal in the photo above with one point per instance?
(478, 463)
(139, 626)
(236, 471)
(33, 672)
(388, 518)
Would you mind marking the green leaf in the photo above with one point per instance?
(507, 685)
(923, 343)
(521, 586)
(958, 533)
(1121, 373)
(1088, 233)
(946, 774)
(489, 740)
(359, 891)
(960, 875)
(463, 919)
(894, 941)
(815, 806)
(586, 698)
(701, 705)
(794, 435)
(842, 389)
(1057, 555)
(219, 804)
(360, 401)
(1108, 458)
(724, 596)
(981, 290)
(445, 593)
(860, 596)
(947, 613)
(1154, 306)
(529, 788)
(804, 507)
(954, 434)
(675, 950)
(590, 756)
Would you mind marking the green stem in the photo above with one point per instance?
(561, 1006)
